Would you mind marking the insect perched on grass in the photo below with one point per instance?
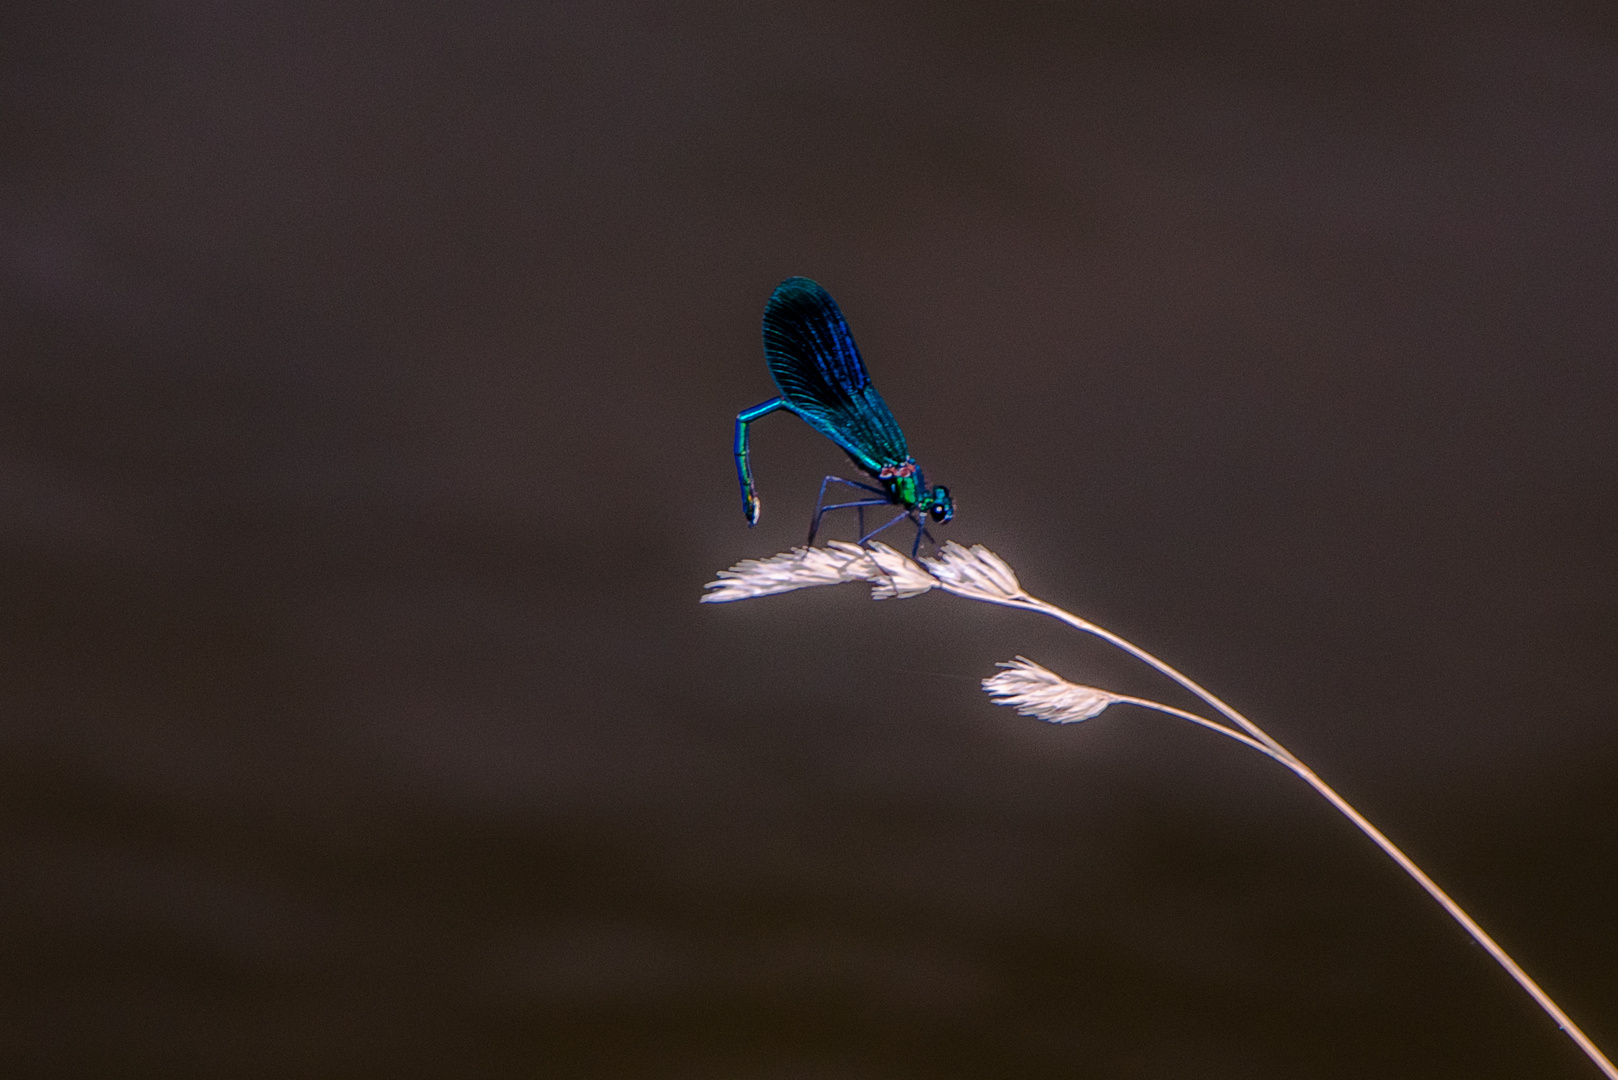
(817, 367)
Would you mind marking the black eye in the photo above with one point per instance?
(937, 512)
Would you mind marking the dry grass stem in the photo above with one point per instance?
(977, 573)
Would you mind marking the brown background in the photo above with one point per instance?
(368, 378)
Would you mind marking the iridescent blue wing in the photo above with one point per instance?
(813, 360)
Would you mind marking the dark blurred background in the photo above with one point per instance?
(368, 381)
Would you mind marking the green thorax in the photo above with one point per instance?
(904, 483)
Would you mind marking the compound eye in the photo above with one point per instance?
(937, 512)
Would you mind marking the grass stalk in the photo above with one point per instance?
(1256, 738)
(979, 574)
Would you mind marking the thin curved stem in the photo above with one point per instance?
(1202, 721)
(1258, 740)
(1147, 658)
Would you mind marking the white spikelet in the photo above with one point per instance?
(900, 578)
(1042, 693)
(975, 572)
(800, 568)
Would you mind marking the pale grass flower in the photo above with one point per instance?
(1041, 693)
(892, 575)
(976, 573)
(901, 577)
(800, 568)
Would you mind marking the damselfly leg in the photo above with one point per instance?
(821, 510)
(902, 515)
(921, 531)
(860, 506)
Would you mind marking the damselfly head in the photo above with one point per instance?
(942, 509)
